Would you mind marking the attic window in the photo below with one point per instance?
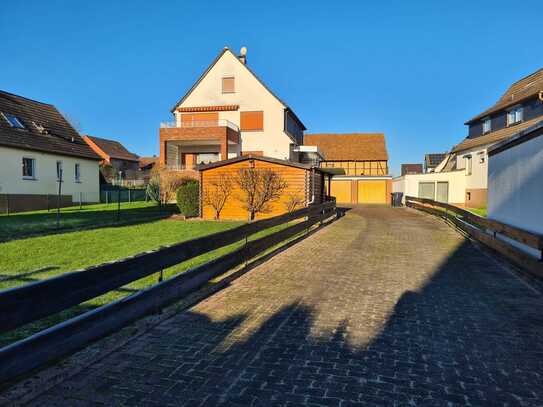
(228, 85)
(514, 115)
(13, 121)
(487, 126)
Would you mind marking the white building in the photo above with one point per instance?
(37, 148)
(515, 180)
(228, 112)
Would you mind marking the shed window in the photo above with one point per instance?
(252, 121)
(228, 85)
(29, 168)
(514, 115)
(13, 121)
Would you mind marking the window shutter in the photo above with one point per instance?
(252, 121)
(228, 85)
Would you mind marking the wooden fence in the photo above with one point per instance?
(489, 232)
(31, 302)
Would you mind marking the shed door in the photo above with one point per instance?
(442, 192)
(427, 190)
(372, 192)
(341, 190)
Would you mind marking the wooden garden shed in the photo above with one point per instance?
(304, 183)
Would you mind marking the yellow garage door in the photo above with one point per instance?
(341, 190)
(372, 192)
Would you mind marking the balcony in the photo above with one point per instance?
(200, 124)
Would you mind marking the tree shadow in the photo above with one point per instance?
(470, 334)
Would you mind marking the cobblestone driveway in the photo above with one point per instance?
(383, 307)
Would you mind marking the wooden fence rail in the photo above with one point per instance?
(31, 302)
(488, 231)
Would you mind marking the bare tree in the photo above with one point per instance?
(217, 193)
(294, 200)
(260, 187)
(170, 181)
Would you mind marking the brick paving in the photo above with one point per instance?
(383, 307)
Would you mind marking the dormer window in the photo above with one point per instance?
(487, 125)
(514, 115)
(13, 120)
(228, 84)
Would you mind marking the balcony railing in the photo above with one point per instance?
(200, 123)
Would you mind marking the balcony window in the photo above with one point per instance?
(228, 85)
(487, 125)
(514, 115)
(29, 168)
(252, 121)
(13, 121)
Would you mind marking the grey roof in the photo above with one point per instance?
(434, 159)
(58, 136)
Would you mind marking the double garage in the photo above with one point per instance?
(372, 191)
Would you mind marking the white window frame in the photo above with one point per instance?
(515, 115)
(59, 174)
(34, 168)
(77, 172)
(20, 125)
(469, 164)
(487, 125)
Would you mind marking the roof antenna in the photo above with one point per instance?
(243, 55)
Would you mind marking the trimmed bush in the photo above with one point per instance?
(188, 198)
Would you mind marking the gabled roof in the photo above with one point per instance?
(226, 49)
(45, 129)
(524, 88)
(148, 162)
(434, 159)
(495, 136)
(112, 148)
(350, 146)
(412, 169)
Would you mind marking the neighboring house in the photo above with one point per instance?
(304, 184)
(146, 166)
(515, 180)
(229, 112)
(518, 109)
(412, 169)
(38, 147)
(432, 160)
(117, 161)
(364, 161)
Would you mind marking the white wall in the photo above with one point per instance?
(12, 182)
(515, 186)
(250, 95)
(409, 184)
(479, 170)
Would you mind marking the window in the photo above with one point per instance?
(13, 121)
(228, 85)
(59, 170)
(205, 158)
(29, 168)
(487, 125)
(77, 172)
(252, 121)
(514, 115)
(481, 158)
(468, 164)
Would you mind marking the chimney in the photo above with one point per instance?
(243, 55)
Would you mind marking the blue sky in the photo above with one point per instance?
(413, 70)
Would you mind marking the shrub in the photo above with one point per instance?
(152, 193)
(188, 198)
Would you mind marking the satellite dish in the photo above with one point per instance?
(243, 51)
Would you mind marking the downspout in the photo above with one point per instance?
(312, 187)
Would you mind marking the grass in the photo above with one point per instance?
(19, 225)
(479, 211)
(56, 254)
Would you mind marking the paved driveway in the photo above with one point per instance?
(383, 307)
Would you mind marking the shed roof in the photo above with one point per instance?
(349, 146)
(45, 129)
(113, 148)
(221, 163)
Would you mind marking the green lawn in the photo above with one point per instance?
(31, 259)
(479, 211)
(24, 224)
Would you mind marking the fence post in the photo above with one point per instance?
(58, 197)
(7, 204)
(118, 203)
(80, 200)
(107, 198)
